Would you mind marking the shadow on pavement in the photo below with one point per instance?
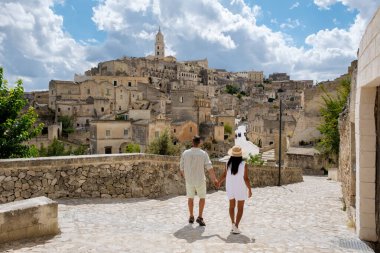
(240, 238)
(192, 234)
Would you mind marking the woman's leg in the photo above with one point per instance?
(240, 205)
(232, 210)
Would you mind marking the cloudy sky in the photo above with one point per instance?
(42, 40)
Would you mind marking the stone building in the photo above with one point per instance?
(184, 131)
(109, 136)
(159, 45)
(367, 132)
(145, 131)
(309, 159)
(279, 77)
(190, 104)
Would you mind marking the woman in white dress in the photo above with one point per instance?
(238, 187)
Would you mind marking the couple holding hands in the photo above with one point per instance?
(193, 163)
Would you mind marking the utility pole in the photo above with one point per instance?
(279, 147)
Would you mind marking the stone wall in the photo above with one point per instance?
(106, 176)
(346, 172)
(28, 218)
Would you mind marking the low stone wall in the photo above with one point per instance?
(28, 218)
(106, 176)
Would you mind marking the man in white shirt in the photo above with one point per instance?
(193, 163)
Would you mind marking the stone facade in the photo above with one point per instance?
(309, 159)
(110, 176)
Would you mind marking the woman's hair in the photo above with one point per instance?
(234, 161)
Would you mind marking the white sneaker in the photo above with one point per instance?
(235, 230)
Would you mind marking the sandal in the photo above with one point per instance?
(191, 219)
(201, 222)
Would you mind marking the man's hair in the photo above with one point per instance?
(196, 140)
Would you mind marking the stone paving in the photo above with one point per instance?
(303, 217)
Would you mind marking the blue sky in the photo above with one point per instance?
(41, 40)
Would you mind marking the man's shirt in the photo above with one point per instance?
(193, 163)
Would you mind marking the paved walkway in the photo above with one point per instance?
(303, 217)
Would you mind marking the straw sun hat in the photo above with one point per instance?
(235, 151)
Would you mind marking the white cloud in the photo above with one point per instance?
(295, 5)
(34, 46)
(290, 23)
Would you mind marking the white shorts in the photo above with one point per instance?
(200, 189)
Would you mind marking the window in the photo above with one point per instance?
(125, 132)
(119, 108)
(158, 47)
(271, 130)
(68, 109)
(181, 99)
(158, 53)
(108, 133)
(191, 129)
(108, 150)
(114, 83)
(88, 92)
(129, 84)
(102, 109)
(174, 130)
(59, 109)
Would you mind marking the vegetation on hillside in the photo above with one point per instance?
(227, 129)
(57, 148)
(255, 160)
(17, 125)
(332, 107)
(132, 148)
(67, 125)
(163, 145)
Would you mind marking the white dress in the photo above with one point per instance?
(235, 184)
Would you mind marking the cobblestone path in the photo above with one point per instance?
(303, 217)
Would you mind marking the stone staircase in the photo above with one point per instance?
(268, 157)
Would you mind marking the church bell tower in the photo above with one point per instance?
(159, 45)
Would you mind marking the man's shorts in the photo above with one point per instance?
(200, 189)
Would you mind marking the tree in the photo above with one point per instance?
(332, 107)
(56, 148)
(67, 125)
(132, 148)
(227, 129)
(231, 89)
(163, 145)
(255, 160)
(17, 125)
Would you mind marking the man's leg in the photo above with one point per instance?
(190, 192)
(201, 190)
(190, 203)
(202, 203)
